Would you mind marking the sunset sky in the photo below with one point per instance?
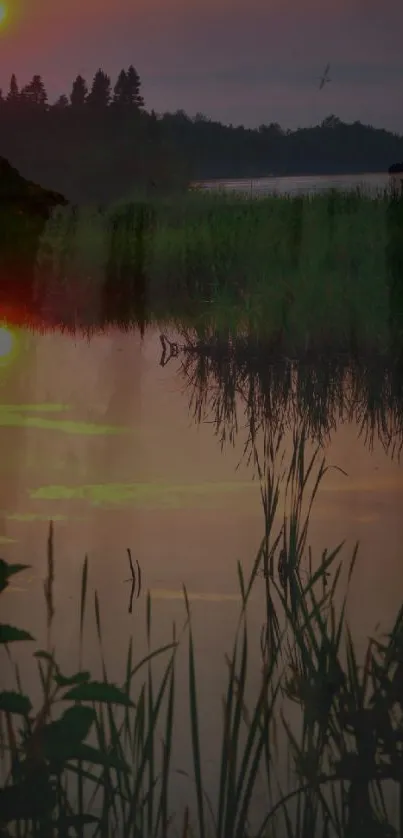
(237, 61)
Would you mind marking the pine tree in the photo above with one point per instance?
(79, 92)
(13, 94)
(127, 89)
(34, 93)
(100, 94)
(133, 88)
(119, 91)
(62, 102)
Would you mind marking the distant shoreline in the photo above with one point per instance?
(289, 175)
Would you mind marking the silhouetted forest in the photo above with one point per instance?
(98, 143)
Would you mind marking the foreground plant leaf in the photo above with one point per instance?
(12, 702)
(72, 680)
(9, 634)
(58, 677)
(61, 738)
(98, 691)
(7, 570)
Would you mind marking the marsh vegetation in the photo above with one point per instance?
(319, 274)
(88, 756)
(291, 307)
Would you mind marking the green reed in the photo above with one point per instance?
(277, 265)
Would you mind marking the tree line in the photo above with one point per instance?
(126, 92)
(95, 145)
(100, 143)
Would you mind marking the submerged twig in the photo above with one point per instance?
(133, 580)
(173, 350)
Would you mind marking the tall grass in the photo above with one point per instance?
(276, 265)
(346, 746)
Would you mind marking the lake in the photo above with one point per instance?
(100, 438)
(153, 432)
(301, 184)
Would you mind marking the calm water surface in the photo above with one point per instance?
(98, 437)
(302, 184)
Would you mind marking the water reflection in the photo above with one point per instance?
(107, 448)
(116, 438)
(226, 377)
(96, 272)
(252, 401)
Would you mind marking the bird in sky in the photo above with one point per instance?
(325, 78)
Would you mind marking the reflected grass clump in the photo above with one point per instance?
(232, 378)
(90, 760)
